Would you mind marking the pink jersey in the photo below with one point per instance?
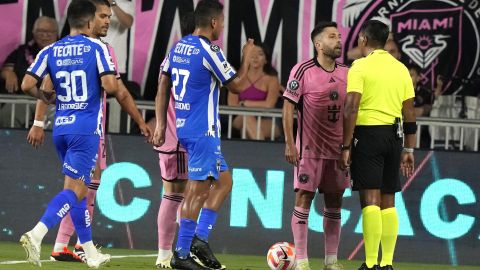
(104, 104)
(319, 96)
(171, 140)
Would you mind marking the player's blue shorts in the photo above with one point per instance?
(205, 158)
(78, 154)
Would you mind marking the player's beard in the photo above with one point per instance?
(332, 53)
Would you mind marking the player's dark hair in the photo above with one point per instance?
(267, 68)
(415, 67)
(187, 24)
(205, 11)
(80, 12)
(101, 2)
(320, 27)
(376, 33)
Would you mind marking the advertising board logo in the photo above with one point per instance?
(436, 35)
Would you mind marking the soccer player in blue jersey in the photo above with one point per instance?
(79, 68)
(195, 68)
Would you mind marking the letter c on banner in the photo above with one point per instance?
(107, 203)
(433, 211)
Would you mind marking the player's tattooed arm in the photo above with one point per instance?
(29, 86)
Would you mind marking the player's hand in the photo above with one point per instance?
(11, 81)
(158, 137)
(147, 132)
(36, 136)
(248, 47)
(440, 80)
(407, 165)
(291, 154)
(344, 161)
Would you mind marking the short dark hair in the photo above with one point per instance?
(376, 32)
(80, 12)
(320, 27)
(187, 24)
(101, 2)
(205, 11)
(415, 67)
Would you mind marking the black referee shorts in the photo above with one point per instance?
(376, 156)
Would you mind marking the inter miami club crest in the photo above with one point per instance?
(333, 95)
(214, 48)
(303, 178)
(293, 85)
(436, 35)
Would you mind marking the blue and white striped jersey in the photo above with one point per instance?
(197, 68)
(75, 65)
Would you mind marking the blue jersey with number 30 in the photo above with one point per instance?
(197, 68)
(75, 65)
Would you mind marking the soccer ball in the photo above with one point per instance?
(281, 256)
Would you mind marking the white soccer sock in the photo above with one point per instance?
(164, 253)
(58, 247)
(90, 249)
(330, 259)
(38, 232)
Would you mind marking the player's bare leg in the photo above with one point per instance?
(303, 202)
(332, 229)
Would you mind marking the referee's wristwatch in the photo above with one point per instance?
(344, 147)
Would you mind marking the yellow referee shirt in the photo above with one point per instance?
(384, 83)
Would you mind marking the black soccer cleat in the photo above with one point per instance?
(386, 267)
(187, 263)
(364, 267)
(202, 250)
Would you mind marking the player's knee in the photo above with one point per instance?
(304, 198)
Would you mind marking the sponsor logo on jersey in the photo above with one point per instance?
(70, 168)
(303, 178)
(70, 50)
(185, 49)
(190, 169)
(180, 122)
(65, 120)
(69, 62)
(181, 60)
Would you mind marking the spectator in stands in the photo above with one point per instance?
(45, 32)
(423, 102)
(392, 47)
(423, 96)
(262, 90)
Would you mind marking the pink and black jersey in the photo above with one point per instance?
(319, 96)
(171, 144)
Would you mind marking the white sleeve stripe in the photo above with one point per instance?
(101, 69)
(216, 60)
(106, 53)
(43, 66)
(209, 67)
(210, 109)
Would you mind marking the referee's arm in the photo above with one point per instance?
(408, 112)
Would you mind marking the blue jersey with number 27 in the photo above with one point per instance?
(75, 65)
(197, 68)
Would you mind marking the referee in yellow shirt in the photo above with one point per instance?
(379, 94)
